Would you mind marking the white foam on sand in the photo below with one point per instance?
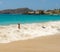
(11, 33)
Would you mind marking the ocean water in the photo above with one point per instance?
(10, 33)
(18, 18)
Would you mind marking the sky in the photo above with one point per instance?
(32, 4)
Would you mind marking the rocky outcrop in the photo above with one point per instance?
(55, 11)
(37, 12)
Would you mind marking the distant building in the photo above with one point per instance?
(47, 12)
(31, 12)
(35, 12)
(39, 12)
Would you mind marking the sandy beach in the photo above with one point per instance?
(40, 44)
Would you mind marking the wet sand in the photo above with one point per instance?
(41, 44)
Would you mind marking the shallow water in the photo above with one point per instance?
(18, 18)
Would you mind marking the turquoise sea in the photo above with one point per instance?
(19, 18)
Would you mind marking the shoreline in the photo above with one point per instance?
(39, 44)
(11, 33)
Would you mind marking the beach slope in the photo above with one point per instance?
(41, 44)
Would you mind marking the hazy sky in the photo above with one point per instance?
(32, 4)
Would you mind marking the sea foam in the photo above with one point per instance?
(10, 33)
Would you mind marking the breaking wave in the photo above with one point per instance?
(9, 33)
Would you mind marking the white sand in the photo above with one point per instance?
(11, 33)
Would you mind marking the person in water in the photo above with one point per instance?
(18, 26)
